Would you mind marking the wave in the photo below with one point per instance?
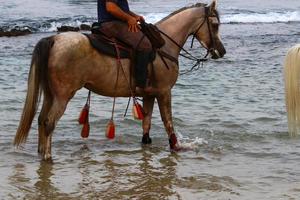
(239, 17)
(270, 17)
(245, 17)
(53, 26)
(26, 26)
(48, 25)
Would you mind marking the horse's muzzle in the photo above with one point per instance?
(217, 53)
(214, 54)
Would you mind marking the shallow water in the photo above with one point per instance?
(233, 107)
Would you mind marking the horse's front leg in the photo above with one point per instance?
(165, 108)
(148, 103)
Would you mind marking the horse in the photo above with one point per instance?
(66, 62)
(292, 89)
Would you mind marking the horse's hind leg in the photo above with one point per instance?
(165, 108)
(47, 124)
(148, 103)
(41, 121)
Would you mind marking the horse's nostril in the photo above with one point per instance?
(217, 53)
(214, 56)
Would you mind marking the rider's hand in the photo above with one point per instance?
(140, 18)
(132, 24)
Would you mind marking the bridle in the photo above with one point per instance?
(206, 9)
(188, 55)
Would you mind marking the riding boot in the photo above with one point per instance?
(142, 59)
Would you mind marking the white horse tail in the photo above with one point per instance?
(37, 82)
(292, 89)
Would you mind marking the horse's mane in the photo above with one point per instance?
(180, 10)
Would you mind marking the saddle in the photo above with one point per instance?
(153, 34)
(106, 45)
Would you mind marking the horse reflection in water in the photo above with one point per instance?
(43, 188)
(65, 63)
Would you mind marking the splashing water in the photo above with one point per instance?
(193, 144)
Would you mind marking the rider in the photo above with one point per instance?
(119, 22)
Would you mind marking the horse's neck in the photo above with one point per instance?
(179, 27)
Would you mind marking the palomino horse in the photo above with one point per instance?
(292, 89)
(64, 63)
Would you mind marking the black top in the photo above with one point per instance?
(104, 16)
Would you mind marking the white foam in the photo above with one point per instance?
(190, 144)
(270, 17)
(154, 17)
(54, 25)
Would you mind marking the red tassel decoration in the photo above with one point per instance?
(84, 114)
(84, 118)
(110, 130)
(137, 110)
(85, 132)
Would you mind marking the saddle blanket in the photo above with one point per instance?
(106, 46)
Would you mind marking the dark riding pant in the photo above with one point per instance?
(136, 40)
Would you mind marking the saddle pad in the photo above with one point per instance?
(105, 46)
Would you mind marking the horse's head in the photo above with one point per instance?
(207, 32)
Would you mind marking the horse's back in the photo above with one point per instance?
(70, 37)
(71, 43)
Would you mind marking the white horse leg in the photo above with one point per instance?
(165, 108)
(56, 111)
(148, 103)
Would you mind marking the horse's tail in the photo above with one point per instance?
(37, 83)
(292, 89)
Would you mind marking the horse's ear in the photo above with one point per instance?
(213, 5)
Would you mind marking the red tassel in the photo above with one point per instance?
(85, 130)
(137, 110)
(110, 130)
(84, 114)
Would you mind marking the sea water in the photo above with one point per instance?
(230, 114)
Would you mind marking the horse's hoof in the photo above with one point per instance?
(173, 143)
(146, 139)
(176, 149)
(47, 157)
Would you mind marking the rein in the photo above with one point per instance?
(188, 55)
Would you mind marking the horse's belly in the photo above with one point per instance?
(109, 91)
